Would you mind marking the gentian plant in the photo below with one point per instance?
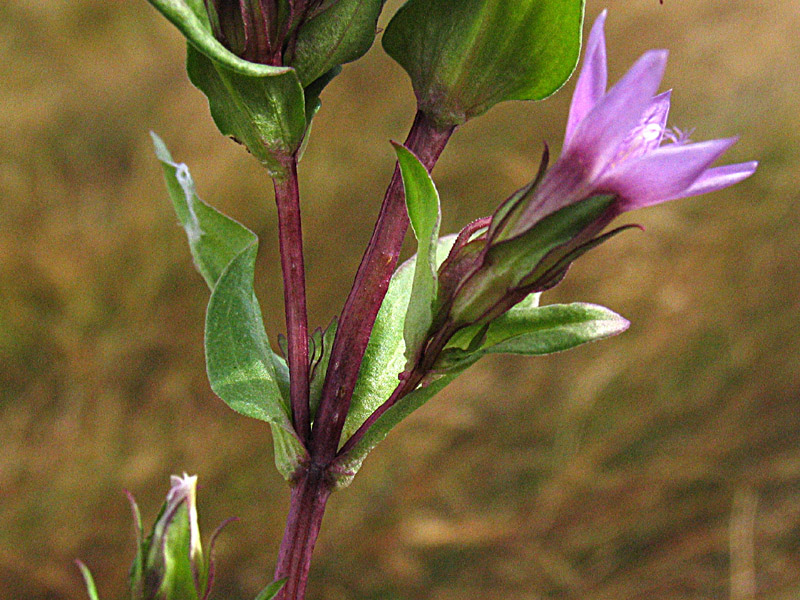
(404, 332)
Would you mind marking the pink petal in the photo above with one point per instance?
(664, 174)
(719, 178)
(596, 139)
(593, 78)
(647, 135)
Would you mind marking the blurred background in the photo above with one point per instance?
(664, 463)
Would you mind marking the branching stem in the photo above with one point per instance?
(369, 288)
(313, 484)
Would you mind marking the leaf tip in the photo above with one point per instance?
(91, 589)
(162, 153)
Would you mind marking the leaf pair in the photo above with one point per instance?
(269, 108)
(242, 368)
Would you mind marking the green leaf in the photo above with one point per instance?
(214, 239)
(242, 368)
(384, 358)
(533, 331)
(269, 592)
(464, 56)
(290, 454)
(266, 114)
(91, 589)
(339, 34)
(313, 103)
(191, 19)
(261, 106)
(323, 343)
(238, 355)
(424, 212)
(525, 329)
(348, 464)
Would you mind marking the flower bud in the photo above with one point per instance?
(464, 56)
(613, 161)
(169, 564)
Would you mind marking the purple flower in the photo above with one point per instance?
(614, 144)
(618, 156)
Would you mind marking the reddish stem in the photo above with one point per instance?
(313, 486)
(369, 288)
(290, 234)
(308, 500)
(408, 384)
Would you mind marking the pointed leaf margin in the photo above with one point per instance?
(424, 213)
(384, 358)
(242, 368)
(271, 591)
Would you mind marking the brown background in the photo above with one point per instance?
(647, 466)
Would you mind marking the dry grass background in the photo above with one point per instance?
(663, 464)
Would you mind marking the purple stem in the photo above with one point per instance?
(312, 485)
(408, 384)
(290, 234)
(369, 288)
(309, 497)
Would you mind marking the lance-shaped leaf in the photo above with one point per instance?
(271, 591)
(424, 213)
(464, 56)
(340, 33)
(532, 330)
(525, 329)
(261, 106)
(384, 358)
(242, 368)
(347, 465)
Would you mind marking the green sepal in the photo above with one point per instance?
(178, 582)
(531, 330)
(511, 261)
(521, 254)
(91, 589)
(137, 566)
(464, 56)
(242, 368)
(339, 33)
(424, 213)
(551, 271)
